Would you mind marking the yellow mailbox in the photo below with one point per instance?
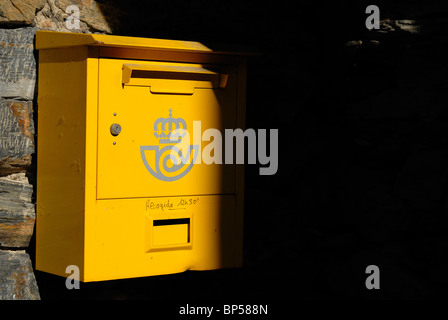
(121, 190)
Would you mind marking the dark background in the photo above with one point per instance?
(362, 119)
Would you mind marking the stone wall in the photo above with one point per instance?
(363, 123)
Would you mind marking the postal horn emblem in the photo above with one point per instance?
(172, 158)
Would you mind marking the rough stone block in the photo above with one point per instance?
(17, 281)
(17, 63)
(17, 136)
(17, 213)
(19, 12)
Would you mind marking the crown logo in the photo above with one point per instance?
(170, 130)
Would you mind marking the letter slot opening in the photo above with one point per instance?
(172, 79)
(171, 232)
(168, 222)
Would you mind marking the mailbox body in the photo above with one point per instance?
(111, 201)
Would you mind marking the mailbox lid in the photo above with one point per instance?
(52, 40)
(148, 106)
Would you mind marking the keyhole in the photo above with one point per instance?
(115, 129)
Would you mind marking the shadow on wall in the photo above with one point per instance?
(362, 123)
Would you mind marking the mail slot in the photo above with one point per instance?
(121, 190)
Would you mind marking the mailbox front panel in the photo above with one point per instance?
(151, 119)
(152, 236)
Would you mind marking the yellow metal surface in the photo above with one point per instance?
(98, 204)
(121, 173)
(123, 242)
(61, 161)
(171, 235)
(52, 40)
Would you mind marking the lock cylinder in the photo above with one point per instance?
(115, 129)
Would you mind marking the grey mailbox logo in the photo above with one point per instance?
(170, 132)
